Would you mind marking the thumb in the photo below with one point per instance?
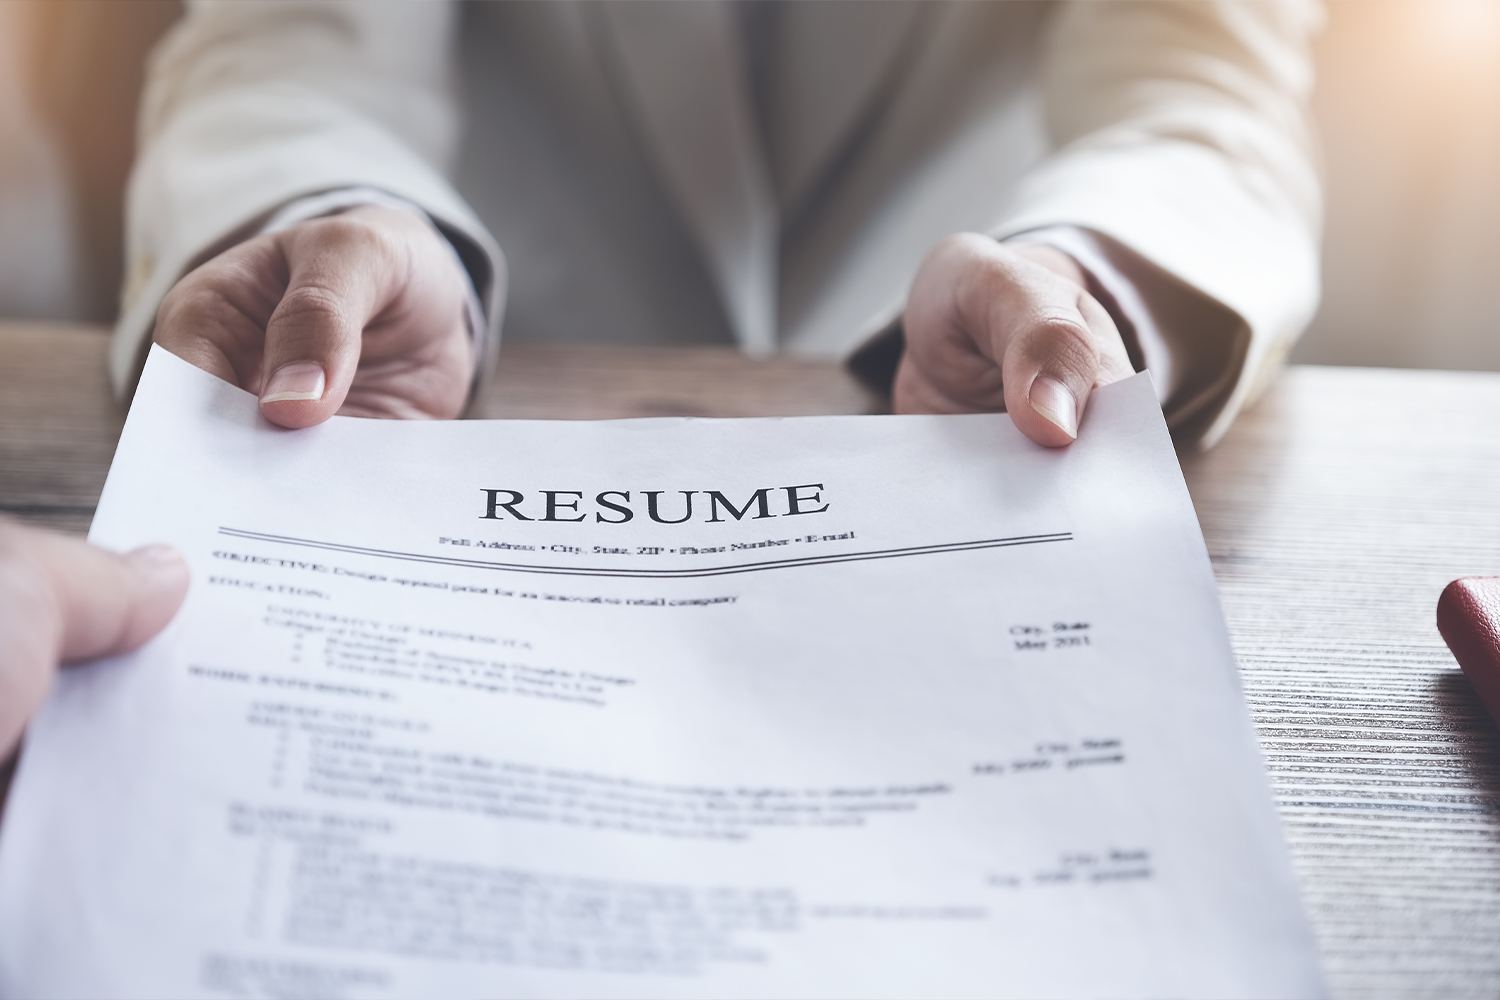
(63, 600)
(1053, 358)
(112, 603)
(342, 272)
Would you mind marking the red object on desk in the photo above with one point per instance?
(1468, 616)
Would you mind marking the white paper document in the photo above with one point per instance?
(843, 707)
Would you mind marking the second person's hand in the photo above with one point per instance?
(361, 313)
(63, 600)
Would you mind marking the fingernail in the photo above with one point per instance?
(1051, 399)
(297, 380)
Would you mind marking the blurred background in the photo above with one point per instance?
(1408, 103)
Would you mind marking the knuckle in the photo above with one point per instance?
(342, 229)
(189, 303)
(968, 254)
(311, 305)
(244, 280)
(343, 256)
(956, 244)
(1063, 342)
(354, 233)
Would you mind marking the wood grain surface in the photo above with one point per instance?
(1334, 512)
(563, 383)
(58, 423)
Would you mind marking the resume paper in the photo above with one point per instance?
(899, 706)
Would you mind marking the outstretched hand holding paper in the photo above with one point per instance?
(805, 707)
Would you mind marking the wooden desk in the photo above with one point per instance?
(1335, 512)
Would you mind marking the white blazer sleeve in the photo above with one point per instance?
(1181, 135)
(248, 106)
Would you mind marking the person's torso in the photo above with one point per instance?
(638, 162)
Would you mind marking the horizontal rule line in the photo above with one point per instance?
(655, 574)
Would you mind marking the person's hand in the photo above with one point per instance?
(63, 600)
(361, 313)
(992, 327)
